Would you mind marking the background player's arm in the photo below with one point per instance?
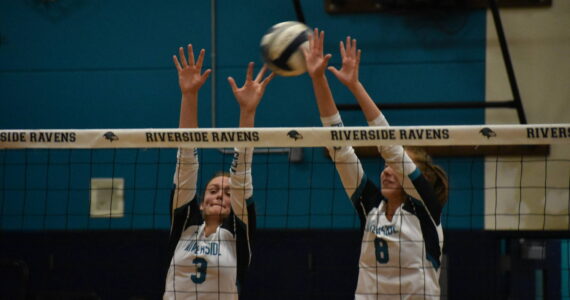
(190, 80)
(346, 162)
(248, 97)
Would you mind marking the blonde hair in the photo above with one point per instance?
(433, 173)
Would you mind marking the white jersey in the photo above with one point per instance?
(210, 267)
(399, 258)
(203, 267)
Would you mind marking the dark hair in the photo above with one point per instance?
(217, 174)
(433, 173)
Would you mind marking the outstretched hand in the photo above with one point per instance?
(190, 76)
(348, 73)
(315, 60)
(249, 95)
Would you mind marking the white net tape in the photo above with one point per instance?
(473, 135)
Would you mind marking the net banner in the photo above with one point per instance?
(536, 134)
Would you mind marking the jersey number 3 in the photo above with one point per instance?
(201, 266)
(381, 247)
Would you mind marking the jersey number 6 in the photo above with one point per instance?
(381, 247)
(201, 266)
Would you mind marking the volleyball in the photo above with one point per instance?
(281, 48)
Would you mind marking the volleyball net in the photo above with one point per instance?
(509, 191)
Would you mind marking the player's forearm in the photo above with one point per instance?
(186, 173)
(337, 154)
(367, 105)
(346, 162)
(323, 94)
(241, 181)
(185, 177)
(246, 119)
(396, 157)
(189, 110)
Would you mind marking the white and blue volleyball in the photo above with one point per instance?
(281, 48)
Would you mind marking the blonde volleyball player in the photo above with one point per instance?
(210, 241)
(402, 234)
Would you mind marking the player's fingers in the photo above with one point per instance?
(261, 73)
(326, 59)
(206, 75)
(190, 55)
(249, 74)
(334, 70)
(354, 47)
(182, 57)
(348, 45)
(342, 51)
(200, 59)
(359, 53)
(318, 38)
(321, 40)
(312, 39)
(232, 83)
(176, 63)
(268, 79)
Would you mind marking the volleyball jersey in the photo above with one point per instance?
(214, 266)
(399, 258)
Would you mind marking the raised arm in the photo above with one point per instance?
(248, 97)
(346, 162)
(190, 80)
(395, 156)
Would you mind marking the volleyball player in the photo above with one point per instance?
(210, 240)
(400, 255)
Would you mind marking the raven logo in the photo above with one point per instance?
(294, 134)
(487, 132)
(109, 135)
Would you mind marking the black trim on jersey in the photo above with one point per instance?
(183, 217)
(243, 244)
(366, 198)
(429, 230)
(425, 189)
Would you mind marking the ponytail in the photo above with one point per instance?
(433, 173)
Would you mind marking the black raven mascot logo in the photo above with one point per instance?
(109, 135)
(294, 134)
(487, 132)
